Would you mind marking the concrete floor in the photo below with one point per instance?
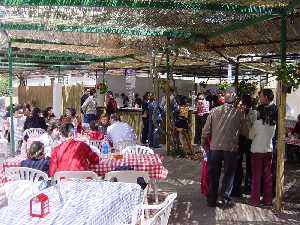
(190, 207)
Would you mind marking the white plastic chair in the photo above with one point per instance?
(120, 145)
(3, 146)
(140, 149)
(161, 217)
(61, 175)
(137, 149)
(33, 132)
(129, 176)
(25, 173)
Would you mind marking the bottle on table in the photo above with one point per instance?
(105, 150)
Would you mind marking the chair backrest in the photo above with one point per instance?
(120, 145)
(161, 217)
(25, 173)
(137, 149)
(127, 176)
(95, 143)
(61, 175)
(33, 132)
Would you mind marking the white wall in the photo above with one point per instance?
(293, 104)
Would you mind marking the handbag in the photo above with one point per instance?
(204, 177)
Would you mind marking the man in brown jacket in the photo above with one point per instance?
(220, 140)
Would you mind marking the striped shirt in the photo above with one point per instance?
(202, 107)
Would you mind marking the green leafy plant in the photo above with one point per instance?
(177, 151)
(203, 84)
(289, 75)
(223, 85)
(245, 87)
(3, 86)
(103, 87)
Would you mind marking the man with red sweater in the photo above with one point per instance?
(71, 155)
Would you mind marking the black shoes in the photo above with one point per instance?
(227, 203)
(224, 204)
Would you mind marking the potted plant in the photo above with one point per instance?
(289, 75)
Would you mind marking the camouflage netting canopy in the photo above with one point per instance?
(124, 33)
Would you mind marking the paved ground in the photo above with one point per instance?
(190, 207)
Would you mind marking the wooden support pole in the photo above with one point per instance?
(10, 90)
(281, 120)
(236, 77)
(168, 113)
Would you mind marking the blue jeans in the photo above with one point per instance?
(215, 159)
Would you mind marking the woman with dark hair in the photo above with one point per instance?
(51, 138)
(111, 104)
(145, 115)
(262, 134)
(182, 124)
(71, 155)
(35, 120)
(94, 133)
(36, 157)
(48, 114)
(70, 117)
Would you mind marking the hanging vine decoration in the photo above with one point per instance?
(245, 87)
(102, 87)
(223, 86)
(166, 85)
(289, 75)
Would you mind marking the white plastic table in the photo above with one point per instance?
(80, 202)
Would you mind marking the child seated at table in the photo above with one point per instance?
(36, 157)
(94, 133)
(103, 123)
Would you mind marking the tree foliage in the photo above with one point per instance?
(3, 86)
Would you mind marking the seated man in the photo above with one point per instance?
(71, 155)
(120, 134)
(36, 157)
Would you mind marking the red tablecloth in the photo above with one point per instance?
(292, 141)
(140, 162)
(149, 163)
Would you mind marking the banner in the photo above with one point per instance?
(130, 81)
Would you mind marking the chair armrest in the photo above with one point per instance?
(157, 207)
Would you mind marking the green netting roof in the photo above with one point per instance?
(118, 28)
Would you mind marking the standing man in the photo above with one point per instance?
(220, 140)
(89, 107)
(85, 95)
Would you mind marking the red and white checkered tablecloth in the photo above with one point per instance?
(292, 141)
(140, 162)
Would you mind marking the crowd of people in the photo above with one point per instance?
(229, 130)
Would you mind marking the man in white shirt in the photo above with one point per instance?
(120, 133)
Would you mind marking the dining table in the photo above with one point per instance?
(78, 202)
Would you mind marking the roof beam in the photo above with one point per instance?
(169, 33)
(245, 44)
(292, 5)
(165, 5)
(240, 25)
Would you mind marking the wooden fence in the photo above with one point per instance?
(42, 96)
